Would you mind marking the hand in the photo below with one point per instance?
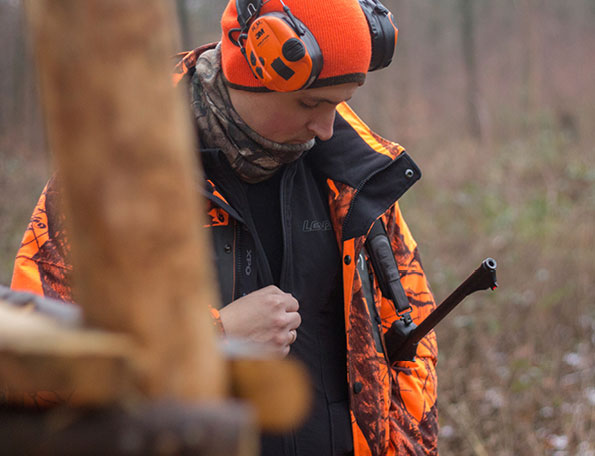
(268, 316)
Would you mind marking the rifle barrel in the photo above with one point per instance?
(482, 278)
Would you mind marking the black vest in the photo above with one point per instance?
(309, 270)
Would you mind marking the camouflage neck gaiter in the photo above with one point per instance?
(253, 157)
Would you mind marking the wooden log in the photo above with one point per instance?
(47, 359)
(122, 139)
(60, 312)
(203, 429)
(43, 361)
(279, 391)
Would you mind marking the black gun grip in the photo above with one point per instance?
(395, 340)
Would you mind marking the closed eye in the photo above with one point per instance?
(309, 105)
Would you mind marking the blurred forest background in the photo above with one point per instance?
(495, 100)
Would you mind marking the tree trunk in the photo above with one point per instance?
(122, 139)
(184, 21)
(531, 46)
(466, 9)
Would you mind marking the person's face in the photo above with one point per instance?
(292, 117)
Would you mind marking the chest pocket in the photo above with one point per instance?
(235, 260)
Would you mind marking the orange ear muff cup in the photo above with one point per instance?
(283, 59)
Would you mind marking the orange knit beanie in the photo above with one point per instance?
(339, 26)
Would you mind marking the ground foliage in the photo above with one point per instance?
(516, 366)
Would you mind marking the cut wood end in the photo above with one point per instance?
(279, 391)
(22, 331)
(77, 366)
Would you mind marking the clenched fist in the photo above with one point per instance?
(268, 316)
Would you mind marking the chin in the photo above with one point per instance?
(301, 141)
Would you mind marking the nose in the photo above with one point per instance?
(322, 124)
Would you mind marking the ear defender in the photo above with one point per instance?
(280, 50)
(384, 33)
(284, 55)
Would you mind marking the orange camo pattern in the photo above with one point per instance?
(376, 142)
(395, 411)
(41, 264)
(184, 66)
(365, 365)
(218, 217)
(187, 62)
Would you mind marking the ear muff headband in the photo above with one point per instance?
(247, 10)
(280, 50)
(383, 31)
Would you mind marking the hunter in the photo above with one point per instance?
(294, 182)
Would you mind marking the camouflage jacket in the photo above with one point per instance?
(393, 409)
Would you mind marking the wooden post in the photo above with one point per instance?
(122, 140)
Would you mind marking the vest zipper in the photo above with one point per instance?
(285, 196)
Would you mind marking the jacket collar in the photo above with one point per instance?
(372, 173)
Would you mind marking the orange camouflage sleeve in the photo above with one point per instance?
(42, 265)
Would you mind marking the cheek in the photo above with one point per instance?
(280, 126)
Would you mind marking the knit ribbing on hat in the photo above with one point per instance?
(339, 26)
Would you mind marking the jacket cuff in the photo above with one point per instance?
(217, 321)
